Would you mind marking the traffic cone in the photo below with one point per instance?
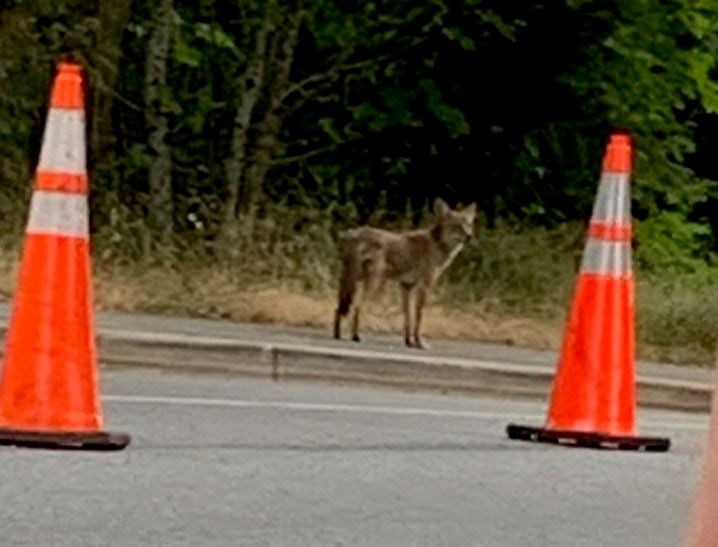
(49, 381)
(593, 399)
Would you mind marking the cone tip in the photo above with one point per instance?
(619, 152)
(68, 87)
(621, 138)
(69, 67)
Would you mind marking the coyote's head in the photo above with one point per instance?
(453, 227)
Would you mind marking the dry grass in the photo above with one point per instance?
(216, 292)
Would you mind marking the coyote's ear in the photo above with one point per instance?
(470, 210)
(440, 207)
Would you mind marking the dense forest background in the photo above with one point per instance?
(230, 141)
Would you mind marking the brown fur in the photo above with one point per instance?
(415, 259)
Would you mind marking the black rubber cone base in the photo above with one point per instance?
(92, 440)
(587, 440)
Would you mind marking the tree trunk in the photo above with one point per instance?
(249, 93)
(160, 172)
(113, 16)
(267, 142)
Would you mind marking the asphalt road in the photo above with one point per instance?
(226, 461)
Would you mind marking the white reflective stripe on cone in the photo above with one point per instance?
(58, 213)
(613, 202)
(607, 258)
(63, 145)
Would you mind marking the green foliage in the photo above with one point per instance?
(668, 244)
(652, 74)
(510, 269)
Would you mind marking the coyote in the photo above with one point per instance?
(415, 259)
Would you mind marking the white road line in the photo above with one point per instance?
(311, 407)
(366, 409)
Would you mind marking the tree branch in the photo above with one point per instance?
(316, 152)
(330, 76)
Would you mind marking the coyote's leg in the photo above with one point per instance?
(347, 288)
(407, 295)
(337, 324)
(372, 284)
(355, 314)
(421, 294)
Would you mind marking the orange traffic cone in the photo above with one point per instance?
(48, 385)
(593, 400)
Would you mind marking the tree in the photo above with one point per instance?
(160, 172)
